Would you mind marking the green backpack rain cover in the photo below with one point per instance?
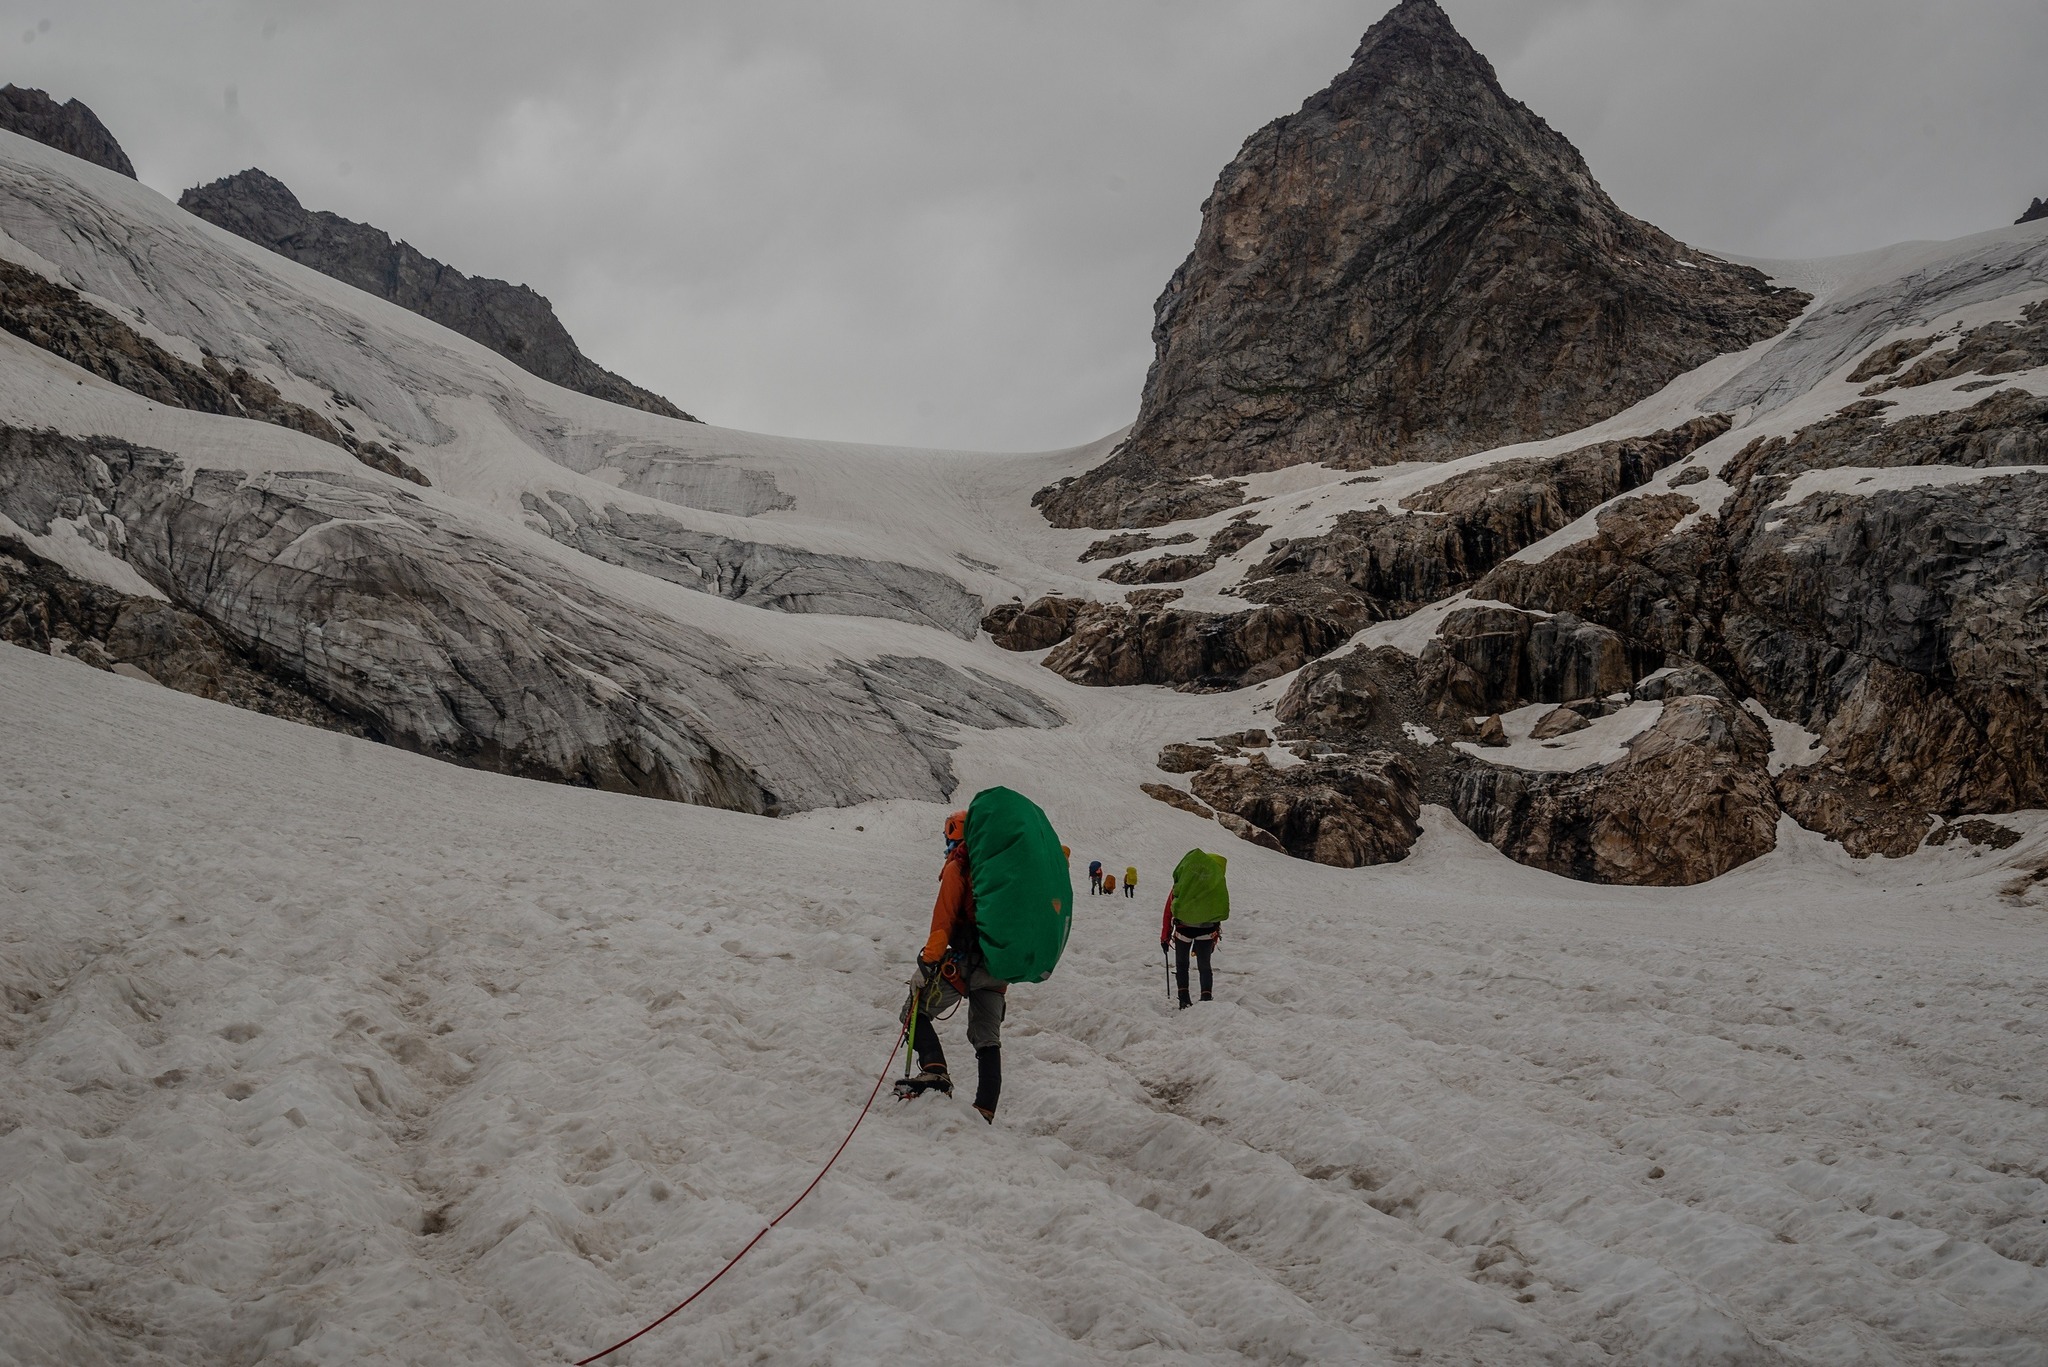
(1200, 897)
(1023, 894)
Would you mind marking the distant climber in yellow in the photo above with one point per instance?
(1131, 881)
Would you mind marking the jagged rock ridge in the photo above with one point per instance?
(2036, 211)
(511, 320)
(1414, 266)
(68, 127)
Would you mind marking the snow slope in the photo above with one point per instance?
(325, 1053)
(319, 1052)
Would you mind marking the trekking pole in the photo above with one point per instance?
(1169, 974)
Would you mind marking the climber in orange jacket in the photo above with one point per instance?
(950, 967)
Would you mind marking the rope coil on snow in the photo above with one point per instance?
(877, 1091)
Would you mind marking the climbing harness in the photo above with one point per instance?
(880, 1078)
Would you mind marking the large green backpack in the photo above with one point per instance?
(1023, 894)
(1200, 896)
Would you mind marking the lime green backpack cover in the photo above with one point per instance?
(1023, 894)
(1200, 896)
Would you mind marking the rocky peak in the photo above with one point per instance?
(68, 127)
(1413, 266)
(2036, 211)
(512, 320)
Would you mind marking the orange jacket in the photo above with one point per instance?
(953, 913)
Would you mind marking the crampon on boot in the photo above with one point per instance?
(931, 1078)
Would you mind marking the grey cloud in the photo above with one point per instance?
(945, 223)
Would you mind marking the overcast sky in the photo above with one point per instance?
(944, 222)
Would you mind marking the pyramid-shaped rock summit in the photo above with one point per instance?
(1414, 266)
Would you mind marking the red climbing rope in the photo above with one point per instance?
(584, 1362)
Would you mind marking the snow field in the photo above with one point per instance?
(323, 1053)
(326, 1053)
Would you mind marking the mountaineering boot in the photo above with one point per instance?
(989, 1089)
(1185, 1003)
(1207, 998)
(931, 1077)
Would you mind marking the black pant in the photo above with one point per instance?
(1203, 948)
(1130, 889)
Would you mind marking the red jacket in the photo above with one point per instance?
(1166, 924)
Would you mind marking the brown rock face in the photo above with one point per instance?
(1032, 626)
(511, 320)
(1559, 721)
(1335, 699)
(1179, 757)
(1174, 797)
(1904, 626)
(68, 127)
(1375, 564)
(1114, 644)
(1490, 660)
(1691, 801)
(1414, 266)
(1347, 813)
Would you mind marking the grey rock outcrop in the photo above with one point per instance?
(1331, 697)
(446, 640)
(1489, 660)
(46, 608)
(1847, 326)
(1904, 625)
(1995, 348)
(60, 321)
(1233, 537)
(1376, 564)
(511, 320)
(1160, 569)
(1114, 644)
(1680, 681)
(1691, 801)
(1413, 266)
(68, 127)
(2036, 211)
(1129, 543)
(1347, 813)
(785, 578)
